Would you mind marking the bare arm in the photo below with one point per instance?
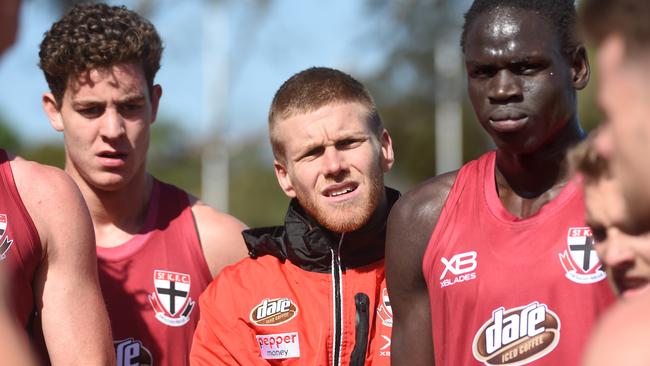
(74, 318)
(410, 225)
(220, 236)
(14, 348)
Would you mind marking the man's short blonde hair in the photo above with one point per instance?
(312, 89)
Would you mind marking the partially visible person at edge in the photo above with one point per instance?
(625, 257)
(313, 290)
(157, 247)
(621, 32)
(39, 250)
(493, 263)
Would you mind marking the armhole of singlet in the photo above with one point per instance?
(196, 246)
(450, 202)
(37, 247)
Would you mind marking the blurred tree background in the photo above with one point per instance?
(404, 87)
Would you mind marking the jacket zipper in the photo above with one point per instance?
(361, 329)
(337, 287)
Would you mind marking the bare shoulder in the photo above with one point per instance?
(220, 235)
(621, 335)
(46, 190)
(418, 210)
(39, 181)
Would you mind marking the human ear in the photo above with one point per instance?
(580, 70)
(52, 111)
(284, 179)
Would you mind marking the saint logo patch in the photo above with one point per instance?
(5, 242)
(273, 312)
(171, 301)
(517, 336)
(579, 260)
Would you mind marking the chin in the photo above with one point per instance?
(111, 183)
(345, 219)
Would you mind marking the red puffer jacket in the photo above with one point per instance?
(300, 300)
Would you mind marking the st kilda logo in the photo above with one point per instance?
(171, 301)
(4, 239)
(273, 312)
(579, 260)
(517, 336)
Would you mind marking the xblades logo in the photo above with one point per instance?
(462, 266)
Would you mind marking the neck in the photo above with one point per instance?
(530, 175)
(117, 214)
(526, 182)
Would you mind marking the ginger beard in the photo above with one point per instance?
(349, 215)
(333, 163)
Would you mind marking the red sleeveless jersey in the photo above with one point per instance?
(151, 283)
(511, 291)
(20, 245)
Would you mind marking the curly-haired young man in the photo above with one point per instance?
(493, 264)
(157, 247)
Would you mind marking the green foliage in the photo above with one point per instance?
(49, 154)
(9, 140)
(255, 196)
(172, 158)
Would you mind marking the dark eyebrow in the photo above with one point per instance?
(131, 99)
(86, 103)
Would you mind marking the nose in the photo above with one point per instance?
(614, 253)
(505, 87)
(112, 125)
(333, 162)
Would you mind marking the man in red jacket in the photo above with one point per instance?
(312, 290)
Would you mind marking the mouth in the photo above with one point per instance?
(632, 287)
(112, 155)
(508, 121)
(112, 159)
(340, 191)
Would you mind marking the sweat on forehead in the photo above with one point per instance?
(560, 14)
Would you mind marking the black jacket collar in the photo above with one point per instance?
(309, 246)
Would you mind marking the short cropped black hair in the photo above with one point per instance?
(561, 15)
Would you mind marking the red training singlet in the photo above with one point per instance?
(20, 245)
(511, 291)
(152, 282)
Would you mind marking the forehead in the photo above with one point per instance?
(121, 79)
(505, 33)
(328, 122)
(604, 202)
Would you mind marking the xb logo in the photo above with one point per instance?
(459, 264)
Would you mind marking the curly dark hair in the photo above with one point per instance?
(312, 89)
(561, 15)
(93, 36)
